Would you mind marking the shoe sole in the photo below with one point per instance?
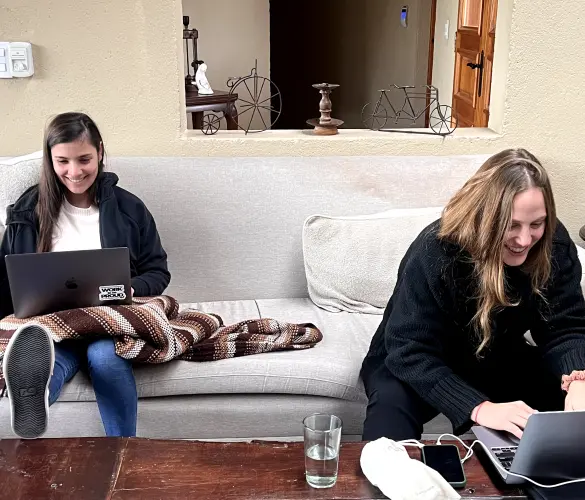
(28, 366)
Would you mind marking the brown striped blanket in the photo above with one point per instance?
(152, 330)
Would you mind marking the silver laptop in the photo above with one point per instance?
(43, 283)
(552, 448)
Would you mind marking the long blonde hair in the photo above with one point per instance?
(478, 218)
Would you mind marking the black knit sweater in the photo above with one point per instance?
(426, 338)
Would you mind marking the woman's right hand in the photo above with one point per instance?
(510, 417)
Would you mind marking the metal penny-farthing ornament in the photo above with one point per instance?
(259, 99)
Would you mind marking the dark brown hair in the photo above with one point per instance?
(66, 127)
(478, 217)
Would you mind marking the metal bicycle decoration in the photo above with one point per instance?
(210, 124)
(253, 103)
(441, 119)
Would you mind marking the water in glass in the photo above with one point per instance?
(321, 466)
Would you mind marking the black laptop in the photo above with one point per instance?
(551, 451)
(43, 283)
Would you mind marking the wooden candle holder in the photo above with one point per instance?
(325, 125)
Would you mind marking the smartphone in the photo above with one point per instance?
(445, 459)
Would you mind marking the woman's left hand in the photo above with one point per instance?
(575, 399)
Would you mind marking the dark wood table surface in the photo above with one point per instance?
(219, 97)
(121, 468)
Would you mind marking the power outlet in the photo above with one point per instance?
(21, 59)
(5, 71)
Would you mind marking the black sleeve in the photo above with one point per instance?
(560, 331)
(5, 296)
(415, 335)
(152, 271)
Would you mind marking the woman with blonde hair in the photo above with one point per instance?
(453, 336)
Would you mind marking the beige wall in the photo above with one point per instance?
(119, 60)
(232, 35)
(367, 49)
(397, 55)
(423, 32)
(501, 62)
(444, 56)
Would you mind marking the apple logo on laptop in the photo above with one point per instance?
(71, 284)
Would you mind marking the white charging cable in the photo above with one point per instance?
(418, 444)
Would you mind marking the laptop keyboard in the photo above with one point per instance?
(505, 455)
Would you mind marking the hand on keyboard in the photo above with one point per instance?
(505, 455)
(510, 417)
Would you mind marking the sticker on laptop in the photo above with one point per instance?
(112, 292)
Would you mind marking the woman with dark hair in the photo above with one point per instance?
(452, 339)
(76, 206)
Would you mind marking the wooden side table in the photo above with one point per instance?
(218, 101)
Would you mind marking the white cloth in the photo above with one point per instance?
(351, 263)
(76, 229)
(387, 466)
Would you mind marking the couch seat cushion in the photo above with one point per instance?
(330, 369)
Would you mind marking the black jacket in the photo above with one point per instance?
(124, 222)
(426, 337)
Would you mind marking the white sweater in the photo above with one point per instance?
(76, 229)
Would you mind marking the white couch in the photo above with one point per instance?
(232, 228)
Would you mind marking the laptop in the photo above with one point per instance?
(43, 283)
(552, 448)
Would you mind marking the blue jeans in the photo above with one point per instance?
(111, 376)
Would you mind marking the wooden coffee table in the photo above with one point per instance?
(119, 469)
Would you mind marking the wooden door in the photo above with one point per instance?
(474, 55)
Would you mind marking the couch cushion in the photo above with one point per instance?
(17, 174)
(351, 263)
(330, 369)
(240, 219)
(230, 311)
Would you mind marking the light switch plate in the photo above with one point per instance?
(4, 48)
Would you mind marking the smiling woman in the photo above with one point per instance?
(76, 165)
(527, 227)
(498, 217)
(76, 206)
(496, 265)
(72, 159)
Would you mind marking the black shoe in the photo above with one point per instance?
(27, 367)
